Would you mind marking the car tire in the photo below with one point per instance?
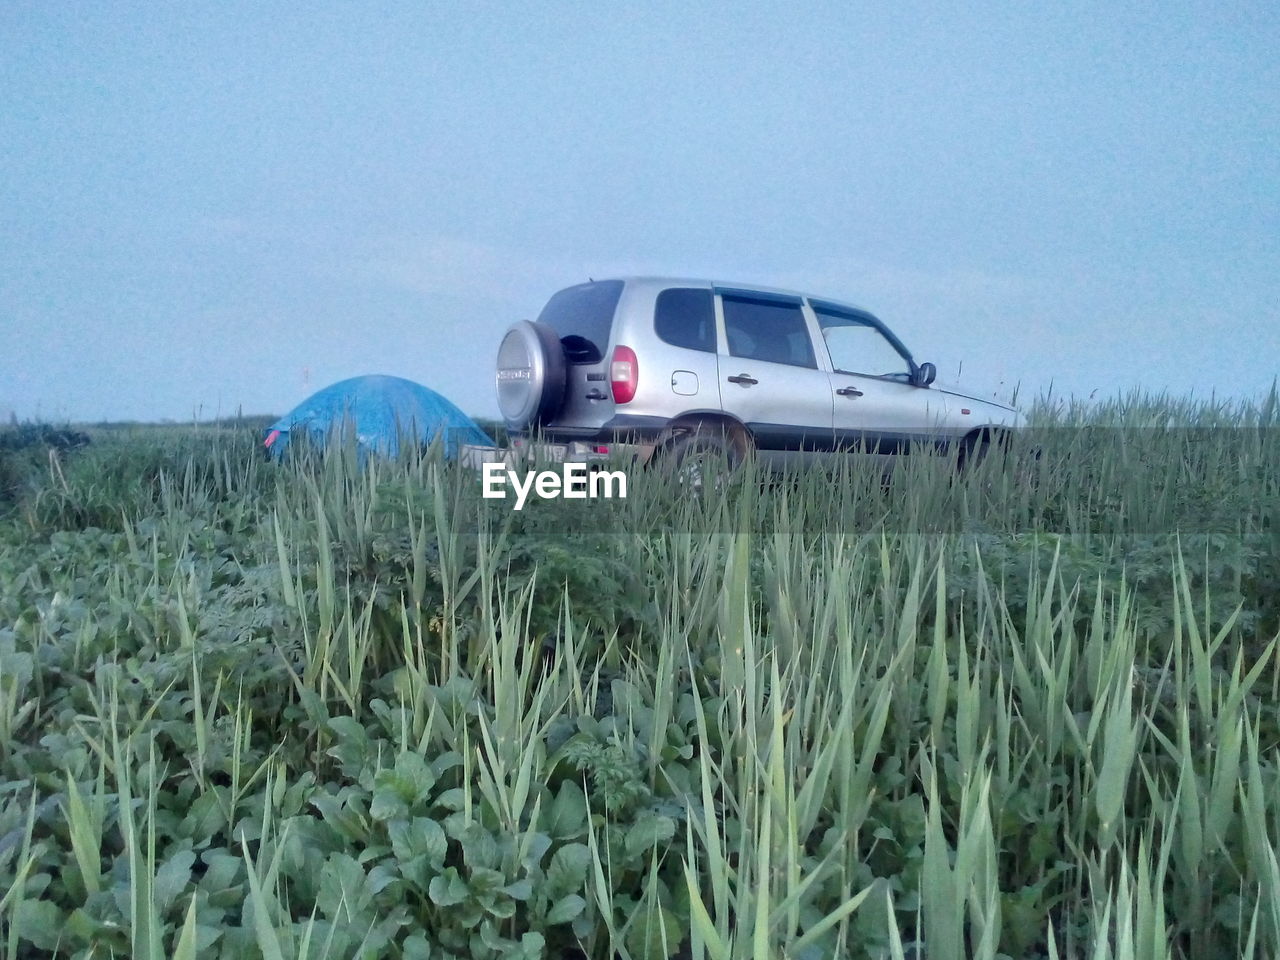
(705, 457)
(974, 449)
(532, 375)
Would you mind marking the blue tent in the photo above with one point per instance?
(380, 410)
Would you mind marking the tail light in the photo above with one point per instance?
(624, 374)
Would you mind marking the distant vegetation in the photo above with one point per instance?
(314, 709)
(29, 436)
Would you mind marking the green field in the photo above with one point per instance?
(334, 709)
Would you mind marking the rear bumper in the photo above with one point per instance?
(526, 451)
(624, 437)
(622, 428)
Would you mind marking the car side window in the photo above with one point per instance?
(771, 330)
(686, 317)
(857, 345)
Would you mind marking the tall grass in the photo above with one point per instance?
(346, 707)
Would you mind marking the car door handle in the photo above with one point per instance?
(743, 379)
(849, 392)
(597, 395)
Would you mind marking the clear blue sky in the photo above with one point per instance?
(207, 206)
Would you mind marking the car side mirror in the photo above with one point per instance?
(926, 373)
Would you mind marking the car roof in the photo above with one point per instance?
(658, 283)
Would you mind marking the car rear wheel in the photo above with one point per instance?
(706, 458)
(532, 375)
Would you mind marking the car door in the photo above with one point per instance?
(876, 405)
(769, 373)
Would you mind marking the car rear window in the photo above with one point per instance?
(686, 317)
(583, 316)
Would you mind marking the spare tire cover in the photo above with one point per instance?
(531, 375)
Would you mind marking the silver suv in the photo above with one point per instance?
(647, 366)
